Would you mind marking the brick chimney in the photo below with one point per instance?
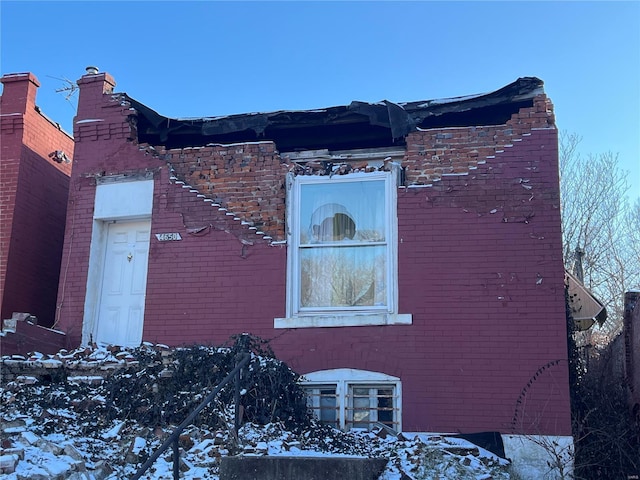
(19, 93)
(93, 86)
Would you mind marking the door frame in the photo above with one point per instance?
(116, 200)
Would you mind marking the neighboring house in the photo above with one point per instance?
(36, 157)
(586, 309)
(407, 258)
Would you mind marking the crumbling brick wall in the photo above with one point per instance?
(479, 262)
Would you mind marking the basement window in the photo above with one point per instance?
(342, 257)
(354, 399)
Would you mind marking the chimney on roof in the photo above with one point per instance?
(93, 86)
(19, 92)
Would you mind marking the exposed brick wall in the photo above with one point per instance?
(34, 190)
(246, 179)
(434, 153)
(479, 253)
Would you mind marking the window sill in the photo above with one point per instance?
(355, 320)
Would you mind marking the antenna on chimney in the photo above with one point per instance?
(69, 89)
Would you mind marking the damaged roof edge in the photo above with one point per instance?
(358, 125)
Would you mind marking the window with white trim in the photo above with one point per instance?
(354, 399)
(342, 244)
(342, 257)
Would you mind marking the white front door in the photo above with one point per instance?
(124, 281)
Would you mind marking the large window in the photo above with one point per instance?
(342, 250)
(354, 399)
(342, 244)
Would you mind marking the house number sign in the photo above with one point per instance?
(168, 237)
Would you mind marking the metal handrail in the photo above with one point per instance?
(172, 440)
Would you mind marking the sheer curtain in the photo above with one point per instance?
(343, 244)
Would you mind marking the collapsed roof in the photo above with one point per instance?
(358, 125)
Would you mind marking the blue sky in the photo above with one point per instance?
(206, 58)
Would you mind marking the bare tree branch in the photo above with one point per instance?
(597, 218)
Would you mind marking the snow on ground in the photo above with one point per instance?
(55, 424)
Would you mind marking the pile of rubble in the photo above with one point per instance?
(99, 413)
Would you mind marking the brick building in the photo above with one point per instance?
(405, 257)
(36, 164)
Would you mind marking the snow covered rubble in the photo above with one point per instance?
(99, 413)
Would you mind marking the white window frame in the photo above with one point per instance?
(313, 392)
(344, 316)
(344, 380)
(372, 408)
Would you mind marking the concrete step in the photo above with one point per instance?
(295, 468)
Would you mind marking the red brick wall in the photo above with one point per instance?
(103, 147)
(31, 338)
(11, 150)
(34, 200)
(75, 257)
(486, 293)
(227, 276)
(488, 287)
(480, 266)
